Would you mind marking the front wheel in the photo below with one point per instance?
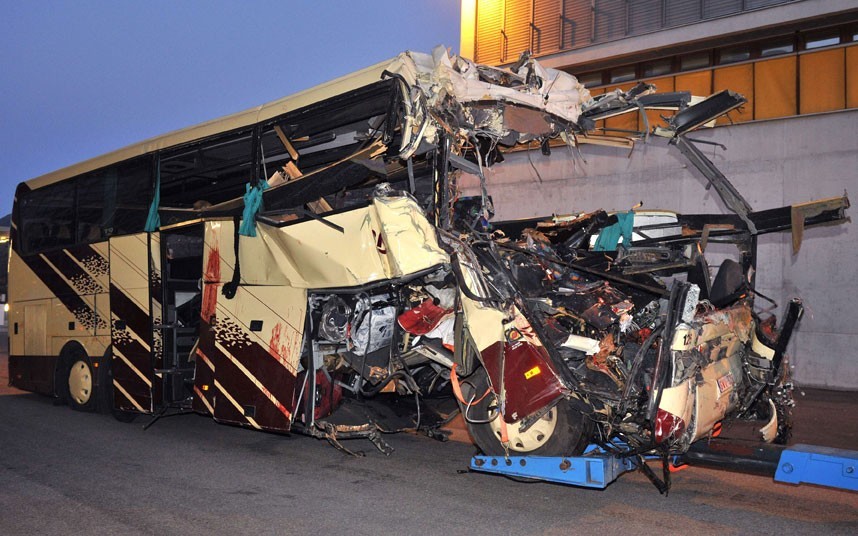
(562, 431)
(79, 381)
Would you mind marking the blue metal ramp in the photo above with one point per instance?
(596, 470)
(799, 464)
(823, 466)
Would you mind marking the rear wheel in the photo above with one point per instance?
(562, 431)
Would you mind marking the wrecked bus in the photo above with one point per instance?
(310, 265)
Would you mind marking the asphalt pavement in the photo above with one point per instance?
(65, 472)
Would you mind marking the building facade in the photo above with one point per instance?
(795, 140)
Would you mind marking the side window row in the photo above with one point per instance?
(88, 208)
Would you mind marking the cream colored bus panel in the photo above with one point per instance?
(27, 285)
(278, 311)
(407, 236)
(716, 394)
(35, 328)
(388, 239)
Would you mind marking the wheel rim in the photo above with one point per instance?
(532, 438)
(80, 382)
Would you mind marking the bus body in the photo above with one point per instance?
(146, 280)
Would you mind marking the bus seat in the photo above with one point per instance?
(729, 284)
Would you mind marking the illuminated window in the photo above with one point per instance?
(823, 38)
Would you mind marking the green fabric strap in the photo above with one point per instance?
(252, 204)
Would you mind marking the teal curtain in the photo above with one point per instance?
(154, 219)
(252, 204)
(611, 235)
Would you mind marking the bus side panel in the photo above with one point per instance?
(250, 348)
(131, 331)
(52, 303)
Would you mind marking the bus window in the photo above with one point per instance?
(47, 217)
(114, 200)
(134, 186)
(207, 173)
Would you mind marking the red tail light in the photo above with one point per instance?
(667, 426)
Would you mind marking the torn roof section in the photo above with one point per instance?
(453, 94)
(527, 83)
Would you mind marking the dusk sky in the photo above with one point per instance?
(82, 78)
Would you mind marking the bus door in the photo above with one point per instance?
(134, 271)
(176, 304)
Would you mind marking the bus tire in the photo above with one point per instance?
(562, 431)
(77, 379)
(106, 403)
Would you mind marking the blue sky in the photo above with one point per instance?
(81, 78)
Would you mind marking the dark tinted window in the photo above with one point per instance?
(623, 74)
(114, 200)
(734, 54)
(134, 184)
(47, 217)
(658, 67)
(591, 79)
(698, 60)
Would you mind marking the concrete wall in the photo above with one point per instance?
(772, 163)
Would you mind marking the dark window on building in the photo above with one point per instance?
(591, 79)
(776, 47)
(623, 74)
(657, 67)
(734, 54)
(696, 60)
(822, 38)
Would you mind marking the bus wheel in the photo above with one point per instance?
(80, 381)
(562, 431)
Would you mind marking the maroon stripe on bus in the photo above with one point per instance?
(127, 310)
(245, 391)
(67, 295)
(82, 281)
